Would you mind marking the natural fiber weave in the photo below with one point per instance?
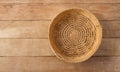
(75, 35)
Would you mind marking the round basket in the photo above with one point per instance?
(75, 35)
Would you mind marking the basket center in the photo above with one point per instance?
(74, 35)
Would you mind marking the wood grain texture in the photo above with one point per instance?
(49, 11)
(59, 1)
(42, 47)
(39, 29)
(25, 47)
(24, 29)
(111, 29)
(52, 64)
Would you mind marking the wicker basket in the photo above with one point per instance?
(75, 35)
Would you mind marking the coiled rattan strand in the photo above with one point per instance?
(75, 35)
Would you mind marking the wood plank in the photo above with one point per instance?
(111, 29)
(49, 11)
(59, 1)
(25, 47)
(42, 47)
(39, 29)
(52, 64)
(24, 29)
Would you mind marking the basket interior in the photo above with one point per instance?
(73, 34)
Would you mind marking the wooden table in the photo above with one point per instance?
(24, 44)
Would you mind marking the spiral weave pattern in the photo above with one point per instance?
(74, 34)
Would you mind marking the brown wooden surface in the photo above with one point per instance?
(52, 64)
(24, 44)
(59, 1)
(14, 11)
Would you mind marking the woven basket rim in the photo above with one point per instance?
(96, 45)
